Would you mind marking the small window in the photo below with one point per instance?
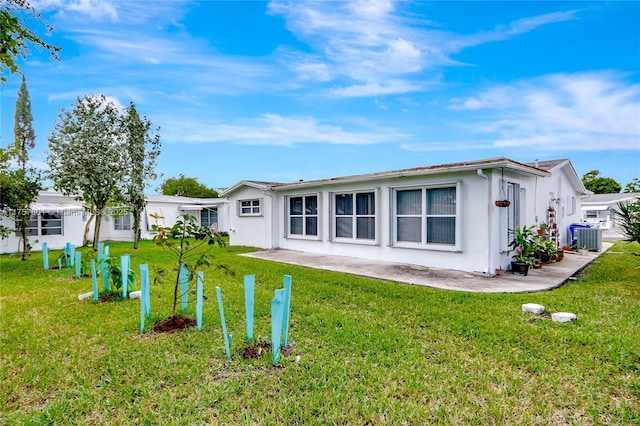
(47, 223)
(592, 214)
(250, 208)
(122, 223)
(51, 224)
(209, 217)
(303, 215)
(32, 227)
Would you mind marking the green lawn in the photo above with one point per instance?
(366, 351)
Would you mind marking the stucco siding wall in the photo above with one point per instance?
(250, 230)
(470, 254)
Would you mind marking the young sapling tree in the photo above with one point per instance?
(189, 243)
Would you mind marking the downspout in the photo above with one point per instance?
(489, 227)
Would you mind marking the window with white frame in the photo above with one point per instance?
(122, 223)
(46, 223)
(249, 207)
(303, 215)
(209, 217)
(592, 214)
(426, 216)
(355, 215)
(572, 206)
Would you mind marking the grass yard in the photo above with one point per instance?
(366, 351)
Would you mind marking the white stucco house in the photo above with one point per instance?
(58, 219)
(441, 216)
(598, 210)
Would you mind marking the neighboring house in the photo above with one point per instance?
(209, 211)
(598, 210)
(58, 219)
(440, 216)
(55, 218)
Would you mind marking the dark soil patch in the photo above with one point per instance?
(257, 350)
(109, 297)
(174, 323)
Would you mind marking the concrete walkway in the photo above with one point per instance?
(549, 277)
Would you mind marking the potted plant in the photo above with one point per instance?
(502, 200)
(560, 255)
(523, 243)
(542, 229)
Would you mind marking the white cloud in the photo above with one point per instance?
(363, 44)
(586, 111)
(98, 10)
(503, 32)
(434, 146)
(376, 89)
(380, 105)
(276, 130)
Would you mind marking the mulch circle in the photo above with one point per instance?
(256, 350)
(110, 297)
(174, 323)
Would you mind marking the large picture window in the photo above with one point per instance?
(355, 216)
(303, 215)
(426, 216)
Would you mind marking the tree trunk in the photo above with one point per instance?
(85, 238)
(24, 223)
(96, 230)
(136, 226)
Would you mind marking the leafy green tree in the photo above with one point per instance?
(633, 186)
(187, 187)
(143, 149)
(16, 38)
(600, 185)
(25, 136)
(629, 217)
(87, 157)
(18, 190)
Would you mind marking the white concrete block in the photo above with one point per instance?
(85, 296)
(135, 294)
(533, 308)
(563, 317)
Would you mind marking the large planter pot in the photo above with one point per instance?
(521, 268)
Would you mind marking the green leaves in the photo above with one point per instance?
(15, 38)
(187, 187)
(629, 217)
(189, 243)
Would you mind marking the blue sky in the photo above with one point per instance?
(282, 91)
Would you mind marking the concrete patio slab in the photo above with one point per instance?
(549, 277)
